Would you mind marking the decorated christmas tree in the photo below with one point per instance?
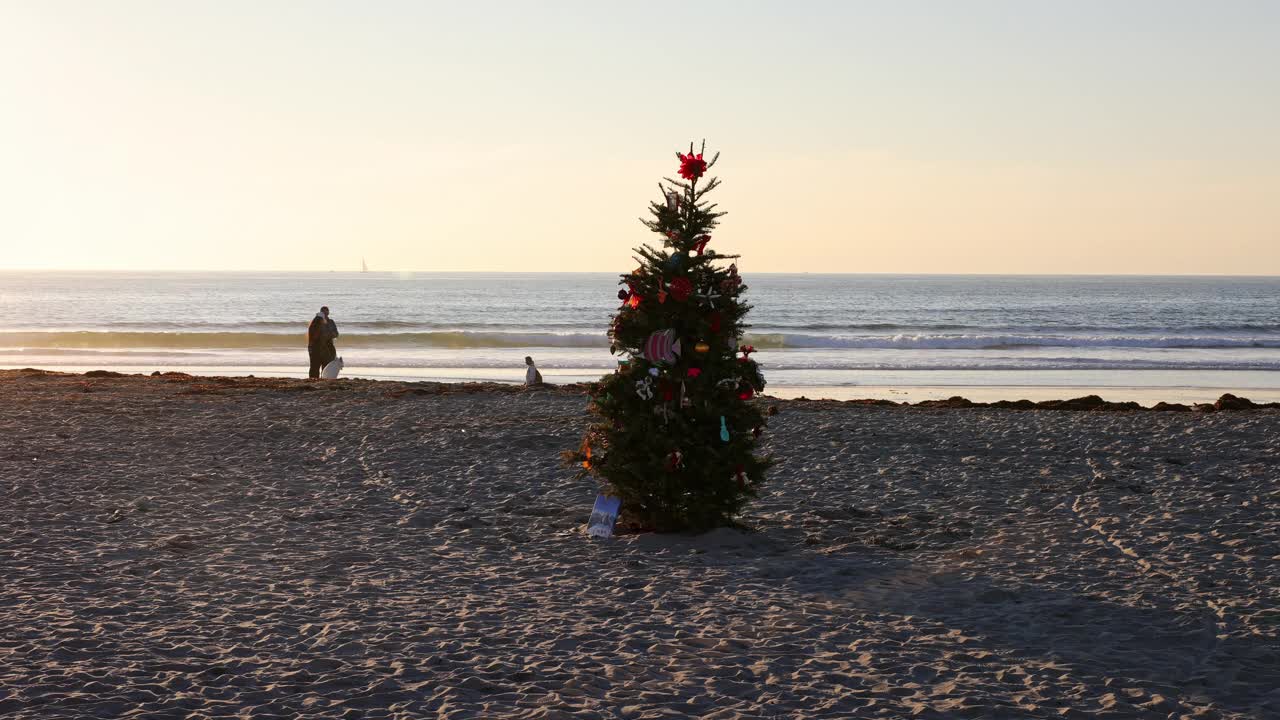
(675, 426)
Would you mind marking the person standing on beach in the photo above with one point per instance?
(320, 336)
(531, 375)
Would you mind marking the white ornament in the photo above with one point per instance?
(708, 298)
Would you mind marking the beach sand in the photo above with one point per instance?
(181, 547)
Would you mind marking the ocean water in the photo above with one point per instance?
(818, 335)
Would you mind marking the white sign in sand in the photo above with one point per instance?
(603, 516)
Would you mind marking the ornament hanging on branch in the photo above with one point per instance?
(708, 297)
(662, 347)
(644, 388)
(731, 284)
(681, 289)
(675, 461)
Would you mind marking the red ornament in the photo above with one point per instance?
(674, 460)
(694, 372)
(623, 295)
(681, 289)
(747, 394)
(714, 318)
(702, 244)
(692, 166)
(733, 282)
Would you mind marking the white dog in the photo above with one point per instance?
(330, 371)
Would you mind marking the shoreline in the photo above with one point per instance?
(999, 397)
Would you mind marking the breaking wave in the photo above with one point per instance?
(979, 341)
(462, 339)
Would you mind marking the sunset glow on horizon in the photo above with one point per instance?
(918, 137)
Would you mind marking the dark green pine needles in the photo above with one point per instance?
(675, 427)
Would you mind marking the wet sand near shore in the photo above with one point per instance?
(179, 546)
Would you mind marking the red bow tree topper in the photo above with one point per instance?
(692, 166)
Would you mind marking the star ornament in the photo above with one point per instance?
(708, 297)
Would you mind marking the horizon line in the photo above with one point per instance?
(614, 272)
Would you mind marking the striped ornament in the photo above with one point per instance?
(662, 347)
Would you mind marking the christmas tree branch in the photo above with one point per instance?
(712, 184)
(677, 184)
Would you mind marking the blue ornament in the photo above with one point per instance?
(724, 430)
(675, 261)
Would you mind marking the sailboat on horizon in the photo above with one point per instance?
(364, 266)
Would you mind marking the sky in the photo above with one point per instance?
(898, 136)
